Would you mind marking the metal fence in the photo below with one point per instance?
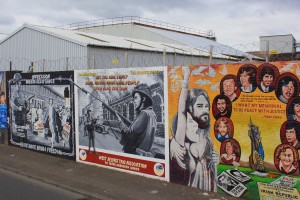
(140, 21)
(120, 58)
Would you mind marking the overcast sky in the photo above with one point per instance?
(234, 22)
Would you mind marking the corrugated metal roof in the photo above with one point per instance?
(97, 39)
(199, 42)
(2, 36)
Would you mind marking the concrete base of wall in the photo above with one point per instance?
(3, 136)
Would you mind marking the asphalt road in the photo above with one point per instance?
(18, 187)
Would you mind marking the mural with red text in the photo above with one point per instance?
(121, 119)
(235, 128)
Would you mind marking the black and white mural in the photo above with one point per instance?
(41, 112)
(120, 115)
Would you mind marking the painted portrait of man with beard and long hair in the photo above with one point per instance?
(193, 159)
(287, 87)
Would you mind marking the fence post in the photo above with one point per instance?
(174, 58)
(199, 57)
(211, 48)
(44, 60)
(94, 62)
(191, 56)
(126, 59)
(67, 63)
(164, 57)
(267, 51)
(10, 65)
(32, 67)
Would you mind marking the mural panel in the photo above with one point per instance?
(41, 112)
(121, 119)
(3, 105)
(235, 128)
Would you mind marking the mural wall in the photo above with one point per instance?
(3, 105)
(121, 119)
(41, 112)
(235, 128)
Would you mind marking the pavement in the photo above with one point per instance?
(92, 181)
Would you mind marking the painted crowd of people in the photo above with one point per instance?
(47, 121)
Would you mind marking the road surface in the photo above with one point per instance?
(18, 187)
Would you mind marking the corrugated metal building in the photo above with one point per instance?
(107, 46)
(278, 43)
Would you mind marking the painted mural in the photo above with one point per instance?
(235, 128)
(41, 112)
(121, 119)
(3, 104)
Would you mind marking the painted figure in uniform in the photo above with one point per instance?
(19, 103)
(89, 124)
(52, 118)
(139, 136)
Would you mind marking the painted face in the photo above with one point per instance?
(2, 99)
(18, 85)
(201, 108)
(229, 148)
(236, 173)
(222, 180)
(137, 100)
(288, 91)
(297, 110)
(221, 105)
(222, 128)
(291, 135)
(244, 78)
(191, 128)
(287, 157)
(229, 87)
(267, 80)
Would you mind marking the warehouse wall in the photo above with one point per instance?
(100, 58)
(29, 45)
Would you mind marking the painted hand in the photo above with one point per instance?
(186, 72)
(215, 158)
(123, 127)
(178, 152)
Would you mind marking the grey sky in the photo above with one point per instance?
(234, 22)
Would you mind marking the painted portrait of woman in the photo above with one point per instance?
(230, 151)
